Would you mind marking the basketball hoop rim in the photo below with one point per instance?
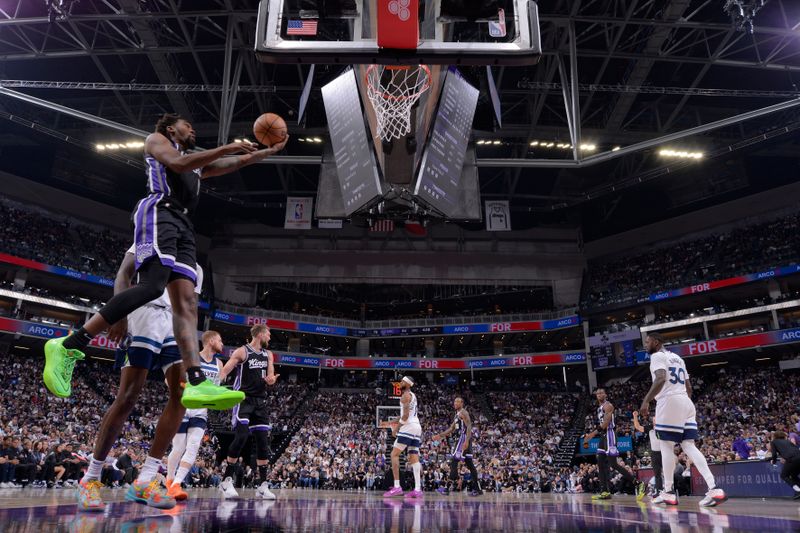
(424, 68)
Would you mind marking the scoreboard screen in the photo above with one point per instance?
(440, 175)
(359, 180)
(615, 350)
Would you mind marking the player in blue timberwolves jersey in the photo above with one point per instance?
(252, 365)
(462, 449)
(607, 452)
(164, 256)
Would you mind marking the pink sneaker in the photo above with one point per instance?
(394, 491)
(414, 495)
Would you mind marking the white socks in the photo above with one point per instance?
(397, 483)
(149, 470)
(417, 469)
(94, 471)
(181, 475)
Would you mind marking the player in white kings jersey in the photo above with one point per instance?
(675, 420)
(409, 435)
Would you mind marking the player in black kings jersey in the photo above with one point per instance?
(164, 256)
(252, 366)
(462, 449)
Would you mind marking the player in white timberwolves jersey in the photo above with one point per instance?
(409, 435)
(187, 441)
(675, 420)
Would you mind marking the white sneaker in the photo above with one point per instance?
(227, 489)
(713, 498)
(669, 498)
(264, 493)
(225, 510)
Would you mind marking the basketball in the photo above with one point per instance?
(269, 129)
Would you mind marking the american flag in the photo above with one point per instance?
(301, 27)
(382, 226)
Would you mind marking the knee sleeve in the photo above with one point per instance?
(235, 449)
(153, 278)
(262, 445)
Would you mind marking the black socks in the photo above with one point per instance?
(79, 340)
(196, 375)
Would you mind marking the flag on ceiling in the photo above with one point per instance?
(301, 27)
(498, 29)
(382, 226)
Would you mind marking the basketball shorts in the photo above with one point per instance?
(194, 418)
(655, 443)
(467, 452)
(164, 233)
(676, 419)
(409, 438)
(150, 343)
(608, 444)
(252, 412)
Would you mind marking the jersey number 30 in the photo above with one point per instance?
(678, 375)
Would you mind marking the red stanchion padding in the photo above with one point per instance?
(398, 24)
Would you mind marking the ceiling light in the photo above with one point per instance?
(680, 154)
(550, 145)
(535, 143)
(588, 147)
(317, 140)
(100, 147)
(496, 142)
(615, 148)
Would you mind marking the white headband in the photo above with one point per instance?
(408, 380)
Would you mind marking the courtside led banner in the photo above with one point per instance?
(46, 331)
(728, 344)
(74, 274)
(66, 272)
(719, 284)
(321, 329)
(478, 363)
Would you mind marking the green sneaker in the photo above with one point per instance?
(209, 396)
(602, 496)
(58, 367)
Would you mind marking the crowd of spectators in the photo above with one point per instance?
(742, 250)
(518, 424)
(54, 239)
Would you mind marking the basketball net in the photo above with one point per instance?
(393, 91)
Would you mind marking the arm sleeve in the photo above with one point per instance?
(198, 288)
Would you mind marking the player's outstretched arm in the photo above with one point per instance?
(165, 153)
(229, 164)
(236, 357)
(446, 432)
(271, 376)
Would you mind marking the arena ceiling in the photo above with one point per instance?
(646, 68)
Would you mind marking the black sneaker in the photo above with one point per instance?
(796, 495)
